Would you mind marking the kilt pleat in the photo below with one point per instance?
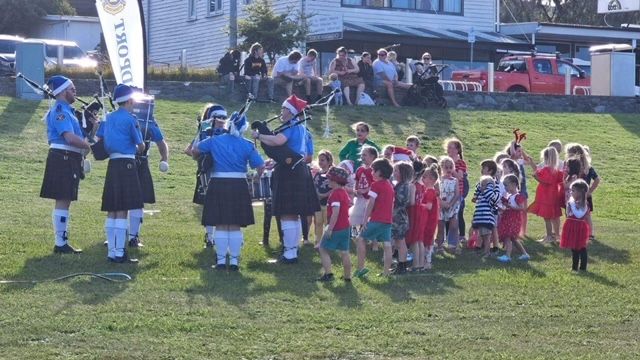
(293, 191)
(62, 175)
(227, 203)
(121, 186)
(146, 182)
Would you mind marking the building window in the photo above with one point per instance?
(192, 10)
(214, 7)
(454, 7)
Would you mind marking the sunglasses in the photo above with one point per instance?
(426, 58)
(218, 117)
(382, 54)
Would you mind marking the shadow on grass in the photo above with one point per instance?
(16, 115)
(599, 251)
(629, 122)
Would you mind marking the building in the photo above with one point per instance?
(83, 30)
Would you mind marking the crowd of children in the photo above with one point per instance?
(414, 205)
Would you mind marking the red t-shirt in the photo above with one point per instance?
(383, 194)
(364, 179)
(460, 165)
(339, 197)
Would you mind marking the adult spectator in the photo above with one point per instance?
(366, 70)
(424, 69)
(307, 68)
(229, 68)
(285, 72)
(255, 71)
(385, 75)
(347, 71)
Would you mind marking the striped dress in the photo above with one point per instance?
(486, 204)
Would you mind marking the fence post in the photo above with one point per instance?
(183, 60)
(567, 83)
(489, 77)
(408, 72)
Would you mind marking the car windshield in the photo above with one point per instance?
(7, 46)
(70, 52)
(512, 65)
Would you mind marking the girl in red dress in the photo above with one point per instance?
(546, 204)
(511, 219)
(417, 220)
(575, 231)
(431, 202)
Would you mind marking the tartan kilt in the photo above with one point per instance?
(227, 203)
(122, 186)
(62, 175)
(293, 191)
(146, 182)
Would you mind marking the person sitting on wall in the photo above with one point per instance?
(366, 70)
(385, 75)
(347, 71)
(229, 68)
(307, 68)
(255, 70)
(285, 72)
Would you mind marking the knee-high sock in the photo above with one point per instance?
(575, 257)
(291, 235)
(583, 259)
(109, 229)
(60, 219)
(210, 230)
(121, 236)
(135, 222)
(222, 243)
(304, 222)
(235, 246)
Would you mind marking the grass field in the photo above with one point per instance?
(176, 306)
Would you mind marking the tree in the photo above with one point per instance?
(19, 16)
(277, 33)
(583, 12)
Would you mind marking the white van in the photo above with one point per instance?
(8, 45)
(69, 51)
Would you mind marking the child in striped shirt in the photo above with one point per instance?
(486, 198)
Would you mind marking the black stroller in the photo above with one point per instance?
(426, 91)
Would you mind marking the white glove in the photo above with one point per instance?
(86, 165)
(164, 166)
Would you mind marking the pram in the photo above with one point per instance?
(426, 91)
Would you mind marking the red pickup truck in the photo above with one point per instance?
(527, 73)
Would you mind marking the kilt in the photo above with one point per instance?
(122, 186)
(293, 191)
(198, 197)
(62, 175)
(227, 203)
(146, 182)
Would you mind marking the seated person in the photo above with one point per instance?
(307, 68)
(347, 70)
(229, 68)
(285, 72)
(385, 74)
(393, 58)
(366, 70)
(255, 70)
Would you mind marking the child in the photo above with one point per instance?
(413, 144)
(336, 85)
(588, 174)
(404, 197)
(325, 161)
(486, 198)
(432, 211)
(363, 181)
(449, 206)
(546, 204)
(575, 231)
(337, 235)
(387, 152)
(353, 148)
(572, 173)
(379, 214)
(417, 220)
(453, 147)
(428, 160)
(557, 144)
(511, 219)
(516, 152)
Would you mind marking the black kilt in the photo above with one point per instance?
(121, 186)
(62, 175)
(293, 191)
(198, 197)
(146, 182)
(227, 203)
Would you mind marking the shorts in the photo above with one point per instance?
(377, 231)
(339, 240)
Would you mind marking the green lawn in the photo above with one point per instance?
(177, 307)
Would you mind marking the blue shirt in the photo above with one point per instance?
(61, 119)
(120, 132)
(381, 67)
(309, 143)
(296, 138)
(153, 130)
(231, 153)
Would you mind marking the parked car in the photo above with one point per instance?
(8, 45)
(72, 55)
(529, 73)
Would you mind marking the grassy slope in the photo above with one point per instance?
(177, 307)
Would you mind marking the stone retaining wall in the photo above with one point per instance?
(203, 92)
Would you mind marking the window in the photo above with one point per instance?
(214, 7)
(435, 6)
(563, 68)
(192, 10)
(543, 66)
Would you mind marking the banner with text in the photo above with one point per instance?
(324, 28)
(614, 6)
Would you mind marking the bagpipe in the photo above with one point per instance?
(86, 115)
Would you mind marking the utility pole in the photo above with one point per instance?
(233, 24)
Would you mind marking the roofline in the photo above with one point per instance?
(91, 19)
(53, 42)
(581, 31)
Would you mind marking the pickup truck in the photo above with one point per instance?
(528, 73)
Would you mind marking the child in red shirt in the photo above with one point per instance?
(379, 214)
(431, 202)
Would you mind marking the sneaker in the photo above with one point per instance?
(504, 259)
(233, 268)
(66, 249)
(122, 259)
(325, 278)
(524, 257)
(284, 260)
(361, 273)
(135, 242)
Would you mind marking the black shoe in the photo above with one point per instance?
(284, 260)
(66, 249)
(220, 267)
(325, 278)
(106, 243)
(233, 268)
(135, 242)
(122, 259)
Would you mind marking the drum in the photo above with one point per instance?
(259, 186)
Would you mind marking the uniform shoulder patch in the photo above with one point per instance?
(60, 117)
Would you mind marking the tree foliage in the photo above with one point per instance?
(583, 12)
(19, 16)
(277, 33)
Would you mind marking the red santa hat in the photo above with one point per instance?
(402, 154)
(294, 104)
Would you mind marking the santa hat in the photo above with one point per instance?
(58, 84)
(122, 93)
(338, 174)
(402, 154)
(215, 111)
(238, 124)
(294, 104)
